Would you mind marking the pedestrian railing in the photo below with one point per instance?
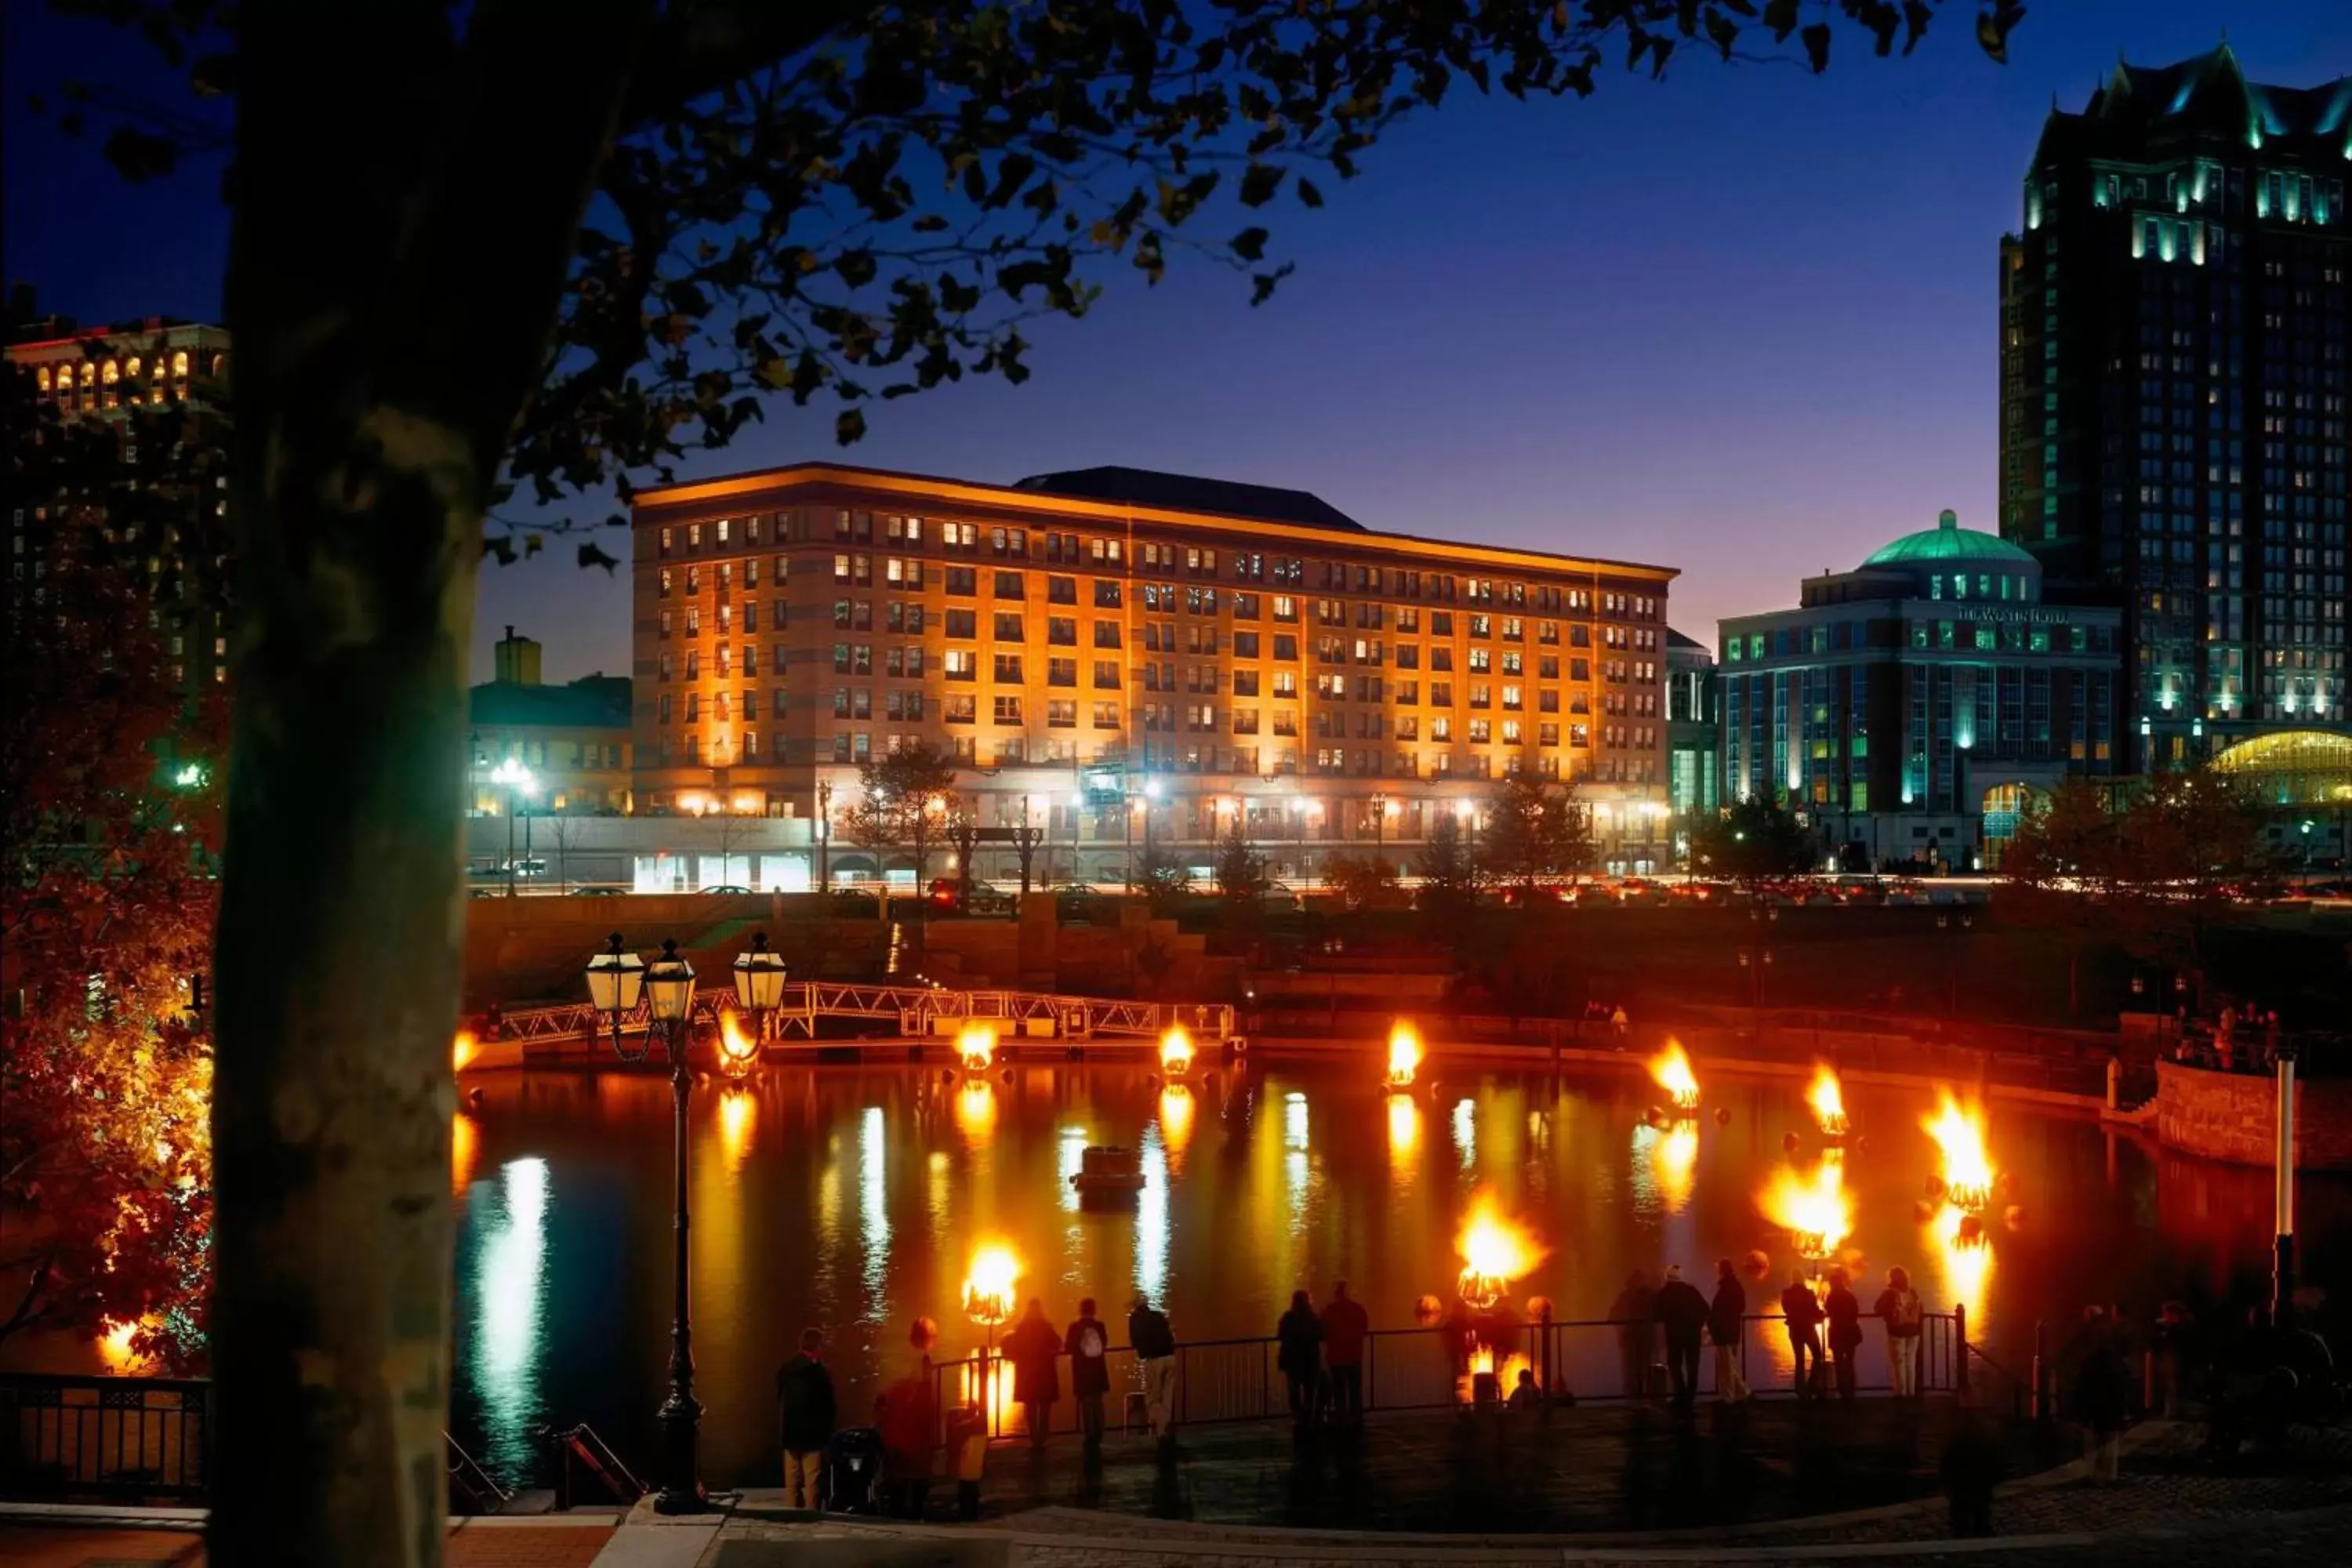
(67, 1435)
(1447, 1366)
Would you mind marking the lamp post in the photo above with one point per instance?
(1959, 928)
(615, 980)
(518, 780)
(759, 980)
(1379, 804)
(824, 835)
(2283, 1262)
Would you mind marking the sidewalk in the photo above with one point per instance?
(572, 1542)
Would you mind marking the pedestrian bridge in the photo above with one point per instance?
(916, 1012)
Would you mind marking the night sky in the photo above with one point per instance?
(1740, 323)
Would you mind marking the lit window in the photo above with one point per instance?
(179, 363)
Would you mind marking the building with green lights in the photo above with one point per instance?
(1694, 736)
(1912, 707)
(2173, 386)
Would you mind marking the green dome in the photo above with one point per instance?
(1947, 541)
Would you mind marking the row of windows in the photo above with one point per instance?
(110, 375)
(1241, 566)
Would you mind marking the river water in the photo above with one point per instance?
(852, 1199)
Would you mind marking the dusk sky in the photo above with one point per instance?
(1740, 323)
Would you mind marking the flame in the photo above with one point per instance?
(1176, 1051)
(463, 1137)
(463, 1049)
(1505, 1370)
(1828, 1100)
(988, 1285)
(1671, 1068)
(1967, 1172)
(976, 1047)
(1494, 1251)
(1816, 1210)
(1175, 1120)
(738, 1052)
(1968, 1264)
(1405, 1055)
(738, 1112)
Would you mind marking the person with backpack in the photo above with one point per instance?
(1726, 1320)
(1299, 1335)
(1898, 1308)
(1154, 1343)
(1032, 1347)
(1803, 1315)
(1088, 1347)
(1346, 1326)
(805, 1413)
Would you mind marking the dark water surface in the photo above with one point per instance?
(853, 1199)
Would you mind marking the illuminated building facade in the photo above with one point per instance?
(2173, 369)
(1117, 657)
(102, 373)
(1693, 736)
(1914, 706)
(573, 739)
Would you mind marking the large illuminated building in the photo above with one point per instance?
(1912, 707)
(2173, 384)
(1117, 656)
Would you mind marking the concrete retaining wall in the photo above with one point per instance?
(2234, 1116)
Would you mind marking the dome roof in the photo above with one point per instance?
(1947, 541)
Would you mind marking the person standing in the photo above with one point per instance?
(1031, 1347)
(1844, 1309)
(1301, 1358)
(1154, 1343)
(1346, 1326)
(805, 1416)
(1633, 1312)
(1727, 1318)
(1088, 1347)
(1803, 1315)
(2103, 1396)
(1898, 1308)
(1683, 1312)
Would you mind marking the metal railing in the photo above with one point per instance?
(67, 1435)
(916, 1011)
(469, 1484)
(578, 1451)
(1590, 1360)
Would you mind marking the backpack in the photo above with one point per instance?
(1906, 1310)
(1090, 1343)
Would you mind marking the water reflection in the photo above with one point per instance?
(738, 1114)
(463, 1137)
(509, 1281)
(852, 1198)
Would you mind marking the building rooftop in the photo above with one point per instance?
(2211, 90)
(1947, 541)
(591, 703)
(1190, 493)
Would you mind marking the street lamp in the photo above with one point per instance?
(519, 783)
(615, 980)
(824, 835)
(759, 980)
(1381, 807)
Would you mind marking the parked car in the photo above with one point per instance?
(597, 892)
(725, 888)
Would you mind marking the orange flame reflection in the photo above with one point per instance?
(1175, 1120)
(1494, 1251)
(463, 1137)
(1967, 1261)
(1176, 1051)
(1815, 1209)
(1405, 1055)
(1671, 1068)
(738, 1114)
(1967, 1170)
(1828, 1099)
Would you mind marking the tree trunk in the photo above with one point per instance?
(397, 259)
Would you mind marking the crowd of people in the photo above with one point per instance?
(1824, 1334)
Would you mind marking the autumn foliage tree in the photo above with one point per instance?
(535, 250)
(106, 899)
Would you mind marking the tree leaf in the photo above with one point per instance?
(1816, 38)
(1309, 194)
(595, 555)
(1249, 244)
(849, 427)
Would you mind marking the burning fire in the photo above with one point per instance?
(1968, 1257)
(1671, 1068)
(987, 1287)
(1494, 1251)
(1828, 1102)
(1176, 1051)
(1405, 1055)
(1967, 1172)
(976, 1048)
(1815, 1209)
(462, 1050)
(738, 1052)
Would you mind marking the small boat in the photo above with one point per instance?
(1107, 1170)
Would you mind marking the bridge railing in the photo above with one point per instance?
(917, 1011)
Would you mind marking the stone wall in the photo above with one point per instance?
(2234, 1116)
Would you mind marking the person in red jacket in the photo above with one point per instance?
(1345, 1327)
